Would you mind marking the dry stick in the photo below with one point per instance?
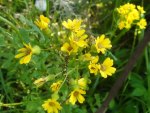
(129, 66)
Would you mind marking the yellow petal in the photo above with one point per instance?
(22, 50)
(72, 99)
(103, 74)
(80, 98)
(20, 55)
(25, 59)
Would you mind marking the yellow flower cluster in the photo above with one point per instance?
(80, 85)
(76, 42)
(104, 68)
(77, 37)
(129, 15)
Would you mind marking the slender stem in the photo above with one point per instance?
(10, 104)
(148, 74)
(134, 40)
(47, 8)
(66, 76)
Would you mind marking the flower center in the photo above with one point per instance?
(51, 104)
(100, 45)
(103, 68)
(69, 48)
(93, 68)
(76, 93)
(28, 52)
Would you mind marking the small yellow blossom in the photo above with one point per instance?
(86, 56)
(39, 82)
(55, 86)
(82, 82)
(121, 24)
(73, 25)
(69, 48)
(51, 106)
(25, 54)
(43, 22)
(79, 38)
(106, 68)
(93, 68)
(102, 44)
(142, 24)
(76, 95)
(94, 59)
(141, 9)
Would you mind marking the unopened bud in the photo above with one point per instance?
(36, 50)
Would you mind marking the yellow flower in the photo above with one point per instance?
(86, 56)
(51, 106)
(121, 25)
(93, 68)
(94, 59)
(141, 9)
(55, 86)
(43, 22)
(102, 44)
(142, 24)
(69, 48)
(25, 53)
(76, 95)
(106, 68)
(79, 38)
(39, 82)
(82, 82)
(72, 24)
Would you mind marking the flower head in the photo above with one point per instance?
(102, 44)
(43, 22)
(51, 106)
(25, 54)
(39, 82)
(69, 48)
(76, 95)
(93, 68)
(142, 24)
(55, 86)
(72, 25)
(106, 68)
(79, 38)
(141, 9)
(82, 82)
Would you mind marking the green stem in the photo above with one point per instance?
(134, 40)
(10, 104)
(148, 74)
(118, 37)
(66, 76)
(47, 8)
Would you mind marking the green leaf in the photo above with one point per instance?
(139, 91)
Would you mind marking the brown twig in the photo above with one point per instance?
(129, 66)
